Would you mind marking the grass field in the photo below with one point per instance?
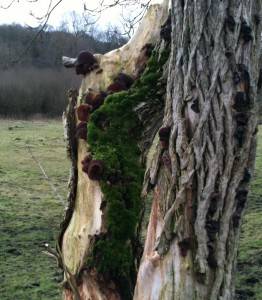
(29, 211)
(249, 276)
(30, 214)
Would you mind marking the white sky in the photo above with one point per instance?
(19, 12)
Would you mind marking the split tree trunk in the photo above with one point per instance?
(196, 189)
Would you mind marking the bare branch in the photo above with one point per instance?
(9, 5)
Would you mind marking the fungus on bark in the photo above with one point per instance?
(142, 59)
(85, 63)
(95, 170)
(95, 100)
(86, 162)
(246, 32)
(121, 83)
(81, 131)
(83, 111)
(116, 87)
(125, 79)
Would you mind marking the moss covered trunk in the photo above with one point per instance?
(189, 125)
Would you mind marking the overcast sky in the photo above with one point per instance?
(20, 11)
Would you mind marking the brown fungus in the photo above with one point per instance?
(116, 86)
(86, 162)
(95, 100)
(81, 131)
(85, 63)
(125, 79)
(83, 111)
(95, 170)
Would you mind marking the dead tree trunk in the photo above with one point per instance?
(198, 146)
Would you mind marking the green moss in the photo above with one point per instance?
(113, 134)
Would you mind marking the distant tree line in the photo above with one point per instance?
(32, 79)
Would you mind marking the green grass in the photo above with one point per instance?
(29, 212)
(249, 275)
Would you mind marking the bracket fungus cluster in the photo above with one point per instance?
(81, 131)
(121, 83)
(85, 63)
(83, 112)
(145, 53)
(95, 99)
(93, 168)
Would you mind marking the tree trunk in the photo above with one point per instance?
(198, 166)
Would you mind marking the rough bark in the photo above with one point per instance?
(193, 231)
(195, 190)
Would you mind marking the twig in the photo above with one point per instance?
(60, 198)
(60, 260)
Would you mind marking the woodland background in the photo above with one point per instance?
(32, 78)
